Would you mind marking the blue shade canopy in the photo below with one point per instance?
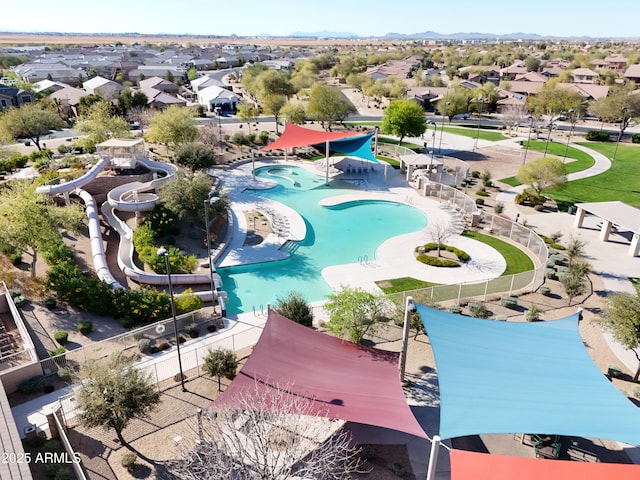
(357, 146)
(508, 377)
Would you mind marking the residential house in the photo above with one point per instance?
(68, 100)
(512, 71)
(531, 77)
(214, 97)
(36, 72)
(103, 87)
(511, 103)
(48, 86)
(427, 97)
(481, 73)
(178, 72)
(525, 87)
(14, 97)
(588, 91)
(584, 75)
(279, 64)
(632, 73)
(616, 62)
(159, 100)
(205, 81)
(159, 84)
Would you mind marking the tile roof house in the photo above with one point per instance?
(14, 97)
(69, 99)
(584, 75)
(633, 73)
(159, 84)
(588, 91)
(616, 62)
(216, 97)
(103, 87)
(531, 77)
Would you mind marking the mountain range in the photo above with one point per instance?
(439, 36)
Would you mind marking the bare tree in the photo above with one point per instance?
(514, 115)
(270, 435)
(140, 115)
(439, 231)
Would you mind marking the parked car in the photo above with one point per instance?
(462, 116)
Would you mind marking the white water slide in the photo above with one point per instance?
(131, 197)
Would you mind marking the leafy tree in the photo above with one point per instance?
(621, 316)
(532, 64)
(29, 121)
(274, 82)
(621, 106)
(195, 156)
(128, 99)
(295, 307)
(553, 100)
(402, 118)
(173, 127)
(192, 74)
(87, 101)
(100, 124)
(544, 172)
(575, 249)
(455, 102)
(247, 113)
(30, 221)
(273, 104)
(575, 280)
(185, 196)
(294, 112)
(328, 105)
(220, 363)
(283, 437)
(114, 392)
(353, 313)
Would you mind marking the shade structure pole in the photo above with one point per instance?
(326, 171)
(408, 309)
(433, 458)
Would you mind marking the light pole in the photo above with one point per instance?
(624, 119)
(433, 150)
(442, 127)
(526, 147)
(210, 202)
(546, 146)
(572, 114)
(480, 102)
(218, 112)
(162, 252)
(409, 309)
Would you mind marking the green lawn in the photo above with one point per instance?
(472, 132)
(403, 284)
(621, 182)
(580, 160)
(517, 260)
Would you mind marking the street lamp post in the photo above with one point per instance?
(572, 114)
(526, 147)
(218, 112)
(546, 146)
(624, 119)
(207, 203)
(480, 102)
(433, 150)
(162, 252)
(442, 126)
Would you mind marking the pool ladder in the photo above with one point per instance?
(363, 260)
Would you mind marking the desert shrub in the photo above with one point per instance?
(457, 309)
(85, 327)
(57, 351)
(187, 302)
(550, 273)
(478, 310)
(475, 174)
(263, 137)
(499, 207)
(64, 373)
(57, 253)
(239, 138)
(509, 302)
(32, 385)
(144, 345)
(52, 446)
(533, 314)
(614, 371)
(128, 460)
(63, 474)
(50, 302)
(545, 290)
(635, 138)
(36, 441)
(436, 262)
(481, 192)
(530, 197)
(479, 201)
(61, 336)
(597, 136)
(192, 330)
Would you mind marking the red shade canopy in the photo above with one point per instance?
(295, 136)
(482, 466)
(345, 381)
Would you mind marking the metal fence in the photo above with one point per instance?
(494, 225)
(163, 368)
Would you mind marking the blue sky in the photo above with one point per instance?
(372, 17)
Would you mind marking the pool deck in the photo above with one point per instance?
(394, 258)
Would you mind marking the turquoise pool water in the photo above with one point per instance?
(336, 235)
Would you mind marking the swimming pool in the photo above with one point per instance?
(347, 233)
